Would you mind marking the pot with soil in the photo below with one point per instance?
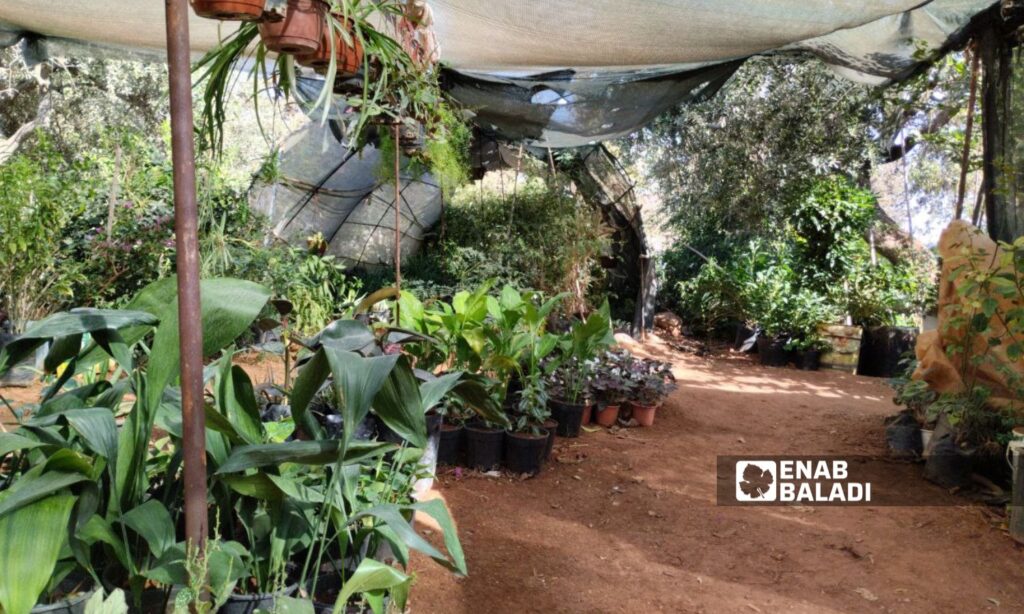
(883, 347)
(569, 416)
(551, 426)
(249, 604)
(809, 360)
(947, 464)
(70, 596)
(484, 446)
(348, 55)
(298, 32)
(325, 593)
(452, 447)
(229, 10)
(524, 452)
(643, 414)
(903, 436)
(771, 351)
(606, 416)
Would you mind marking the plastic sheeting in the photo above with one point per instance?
(324, 189)
(574, 72)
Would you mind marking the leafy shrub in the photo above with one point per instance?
(36, 201)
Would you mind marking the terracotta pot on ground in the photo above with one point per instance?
(644, 414)
(349, 56)
(229, 10)
(606, 416)
(588, 411)
(299, 32)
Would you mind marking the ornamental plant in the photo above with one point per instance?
(652, 380)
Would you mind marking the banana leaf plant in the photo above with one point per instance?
(81, 467)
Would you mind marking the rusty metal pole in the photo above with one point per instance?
(398, 221)
(186, 229)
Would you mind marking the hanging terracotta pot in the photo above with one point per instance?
(349, 56)
(229, 10)
(298, 32)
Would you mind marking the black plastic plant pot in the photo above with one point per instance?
(72, 605)
(249, 604)
(568, 415)
(524, 452)
(810, 360)
(328, 587)
(484, 447)
(452, 448)
(550, 425)
(772, 351)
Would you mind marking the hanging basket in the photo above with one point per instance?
(229, 10)
(298, 32)
(349, 56)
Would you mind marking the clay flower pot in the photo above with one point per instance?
(229, 10)
(644, 414)
(349, 56)
(588, 411)
(607, 416)
(299, 32)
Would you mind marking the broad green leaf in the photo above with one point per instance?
(65, 324)
(373, 575)
(153, 523)
(345, 335)
(30, 542)
(399, 405)
(229, 307)
(357, 381)
(237, 399)
(97, 427)
(34, 486)
(311, 377)
(13, 442)
(113, 604)
(62, 350)
(300, 452)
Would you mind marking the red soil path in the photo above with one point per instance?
(627, 521)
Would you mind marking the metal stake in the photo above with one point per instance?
(186, 228)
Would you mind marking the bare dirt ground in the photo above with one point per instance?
(627, 521)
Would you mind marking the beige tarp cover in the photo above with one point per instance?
(582, 71)
(935, 366)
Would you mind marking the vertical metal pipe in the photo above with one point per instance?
(186, 228)
(398, 219)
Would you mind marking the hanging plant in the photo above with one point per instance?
(297, 30)
(229, 10)
(371, 72)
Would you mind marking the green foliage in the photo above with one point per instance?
(815, 266)
(531, 234)
(34, 210)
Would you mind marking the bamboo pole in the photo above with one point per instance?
(398, 221)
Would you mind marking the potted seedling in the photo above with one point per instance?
(808, 350)
(652, 381)
(527, 441)
(611, 386)
(570, 404)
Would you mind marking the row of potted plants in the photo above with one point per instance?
(547, 383)
(305, 510)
